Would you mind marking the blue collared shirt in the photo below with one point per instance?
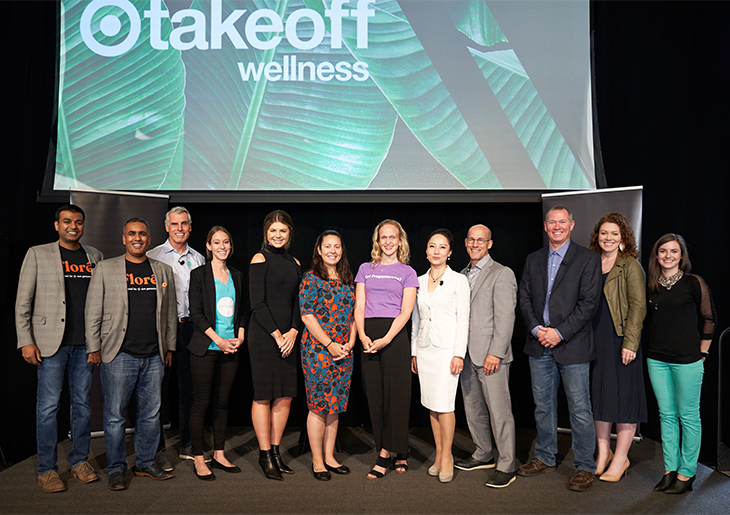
(182, 265)
(555, 259)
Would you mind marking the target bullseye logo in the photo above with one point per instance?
(110, 25)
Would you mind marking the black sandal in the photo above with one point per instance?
(380, 462)
(401, 468)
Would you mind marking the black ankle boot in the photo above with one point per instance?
(667, 479)
(277, 459)
(680, 487)
(268, 465)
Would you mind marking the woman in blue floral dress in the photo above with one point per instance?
(326, 303)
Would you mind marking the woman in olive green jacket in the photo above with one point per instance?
(617, 378)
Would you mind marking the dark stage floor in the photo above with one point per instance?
(414, 492)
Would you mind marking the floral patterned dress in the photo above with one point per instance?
(327, 381)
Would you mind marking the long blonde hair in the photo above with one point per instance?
(404, 250)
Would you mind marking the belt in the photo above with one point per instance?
(184, 319)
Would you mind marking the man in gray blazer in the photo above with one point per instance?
(485, 378)
(49, 321)
(559, 293)
(131, 317)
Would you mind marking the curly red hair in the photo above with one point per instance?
(628, 240)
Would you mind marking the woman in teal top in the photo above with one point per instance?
(216, 311)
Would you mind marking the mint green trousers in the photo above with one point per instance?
(677, 389)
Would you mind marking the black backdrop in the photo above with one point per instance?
(661, 72)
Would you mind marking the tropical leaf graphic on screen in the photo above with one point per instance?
(316, 134)
(519, 99)
(304, 134)
(118, 113)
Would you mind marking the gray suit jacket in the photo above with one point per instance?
(107, 308)
(492, 315)
(40, 306)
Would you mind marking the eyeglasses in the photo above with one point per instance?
(479, 241)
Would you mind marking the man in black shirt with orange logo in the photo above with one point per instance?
(131, 317)
(49, 320)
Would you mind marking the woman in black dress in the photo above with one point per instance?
(274, 285)
(617, 378)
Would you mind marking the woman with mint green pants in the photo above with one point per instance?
(677, 388)
(682, 319)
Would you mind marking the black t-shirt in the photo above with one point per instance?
(76, 277)
(141, 338)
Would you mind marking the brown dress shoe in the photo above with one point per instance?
(50, 482)
(84, 472)
(581, 481)
(534, 468)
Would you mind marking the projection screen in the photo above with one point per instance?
(323, 95)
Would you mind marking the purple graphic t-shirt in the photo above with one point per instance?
(384, 287)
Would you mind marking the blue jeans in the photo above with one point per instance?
(546, 374)
(677, 388)
(71, 360)
(119, 380)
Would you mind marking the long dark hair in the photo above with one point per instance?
(655, 271)
(343, 266)
(278, 216)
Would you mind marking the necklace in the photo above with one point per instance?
(668, 282)
(435, 279)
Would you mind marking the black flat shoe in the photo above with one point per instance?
(341, 470)
(231, 470)
(277, 460)
(321, 476)
(680, 487)
(665, 482)
(206, 477)
(266, 462)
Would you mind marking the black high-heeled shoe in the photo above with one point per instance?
(267, 464)
(665, 482)
(279, 463)
(680, 487)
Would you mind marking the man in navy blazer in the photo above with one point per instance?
(558, 296)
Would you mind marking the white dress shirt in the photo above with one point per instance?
(182, 264)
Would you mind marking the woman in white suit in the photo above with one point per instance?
(438, 344)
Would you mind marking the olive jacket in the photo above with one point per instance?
(625, 290)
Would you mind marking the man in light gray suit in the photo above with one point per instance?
(49, 321)
(131, 317)
(485, 379)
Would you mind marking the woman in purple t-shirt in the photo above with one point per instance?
(385, 292)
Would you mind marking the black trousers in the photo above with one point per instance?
(386, 377)
(181, 361)
(212, 375)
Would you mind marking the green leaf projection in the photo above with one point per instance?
(120, 120)
(314, 135)
(206, 99)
